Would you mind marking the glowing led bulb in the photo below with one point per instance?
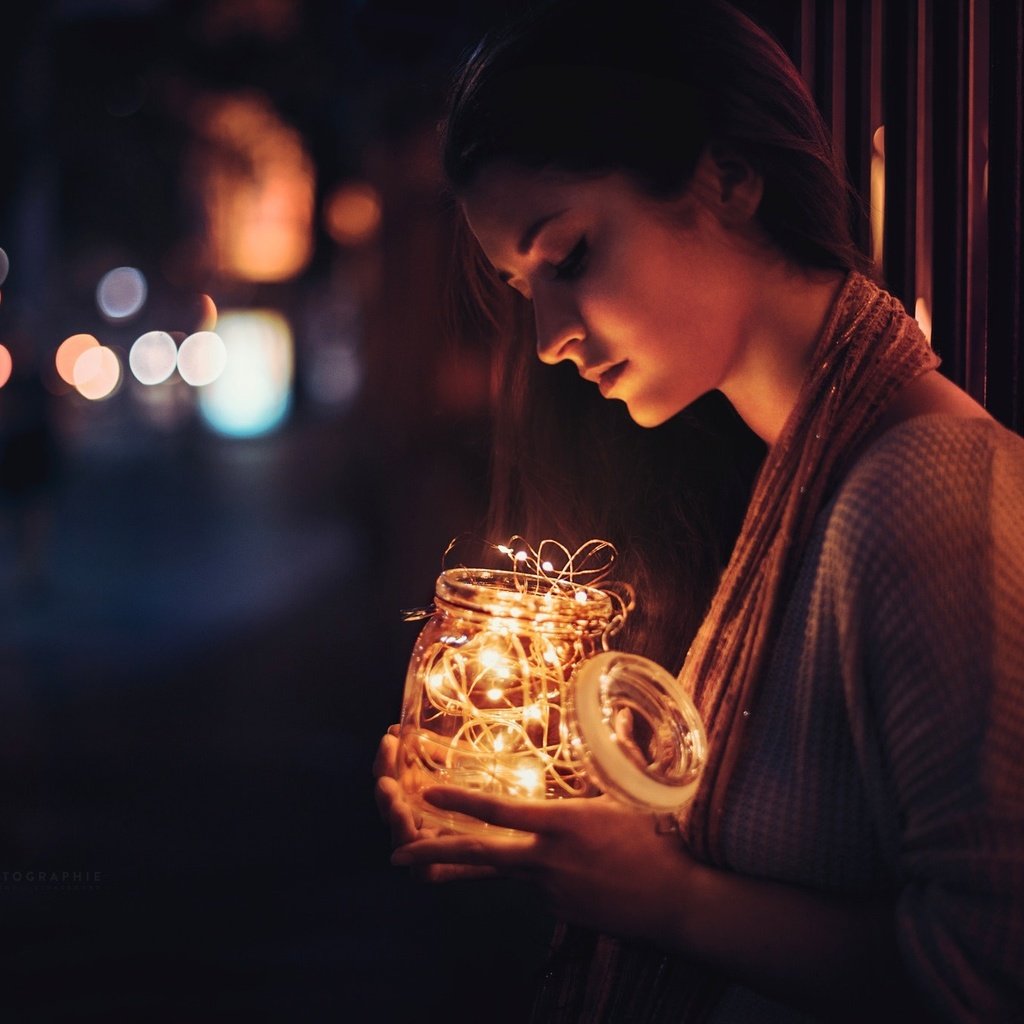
(530, 779)
(492, 661)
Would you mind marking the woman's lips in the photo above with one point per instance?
(608, 379)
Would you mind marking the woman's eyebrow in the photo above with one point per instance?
(529, 236)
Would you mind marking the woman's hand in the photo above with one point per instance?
(608, 867)
(392, 804)
(601, 864)
(404, 819)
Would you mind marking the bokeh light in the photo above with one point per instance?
(208, 313)
(5, 266)
(253, 395)
(68, 353)
(923, 316)
(121, 293)
(352, 213)
(97, 373)
(153, 357)
(201, 358)
(258, 185)
(877, 194)
(6, 365)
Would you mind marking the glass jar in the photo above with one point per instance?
(511, 691)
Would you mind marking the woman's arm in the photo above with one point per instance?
(605, 866)
(929, 592)
(834, 956)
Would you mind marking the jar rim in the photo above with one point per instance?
(507, 594)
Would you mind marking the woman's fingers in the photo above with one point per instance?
(505, 854)
(522, 815)
(456, 872)
(386, 793)
(395, 810)
(386, 760)
(406, 823)
(391, 801)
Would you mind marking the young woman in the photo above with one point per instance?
(659, 189)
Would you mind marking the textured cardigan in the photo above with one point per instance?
(886, 750)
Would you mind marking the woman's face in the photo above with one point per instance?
(650, 300)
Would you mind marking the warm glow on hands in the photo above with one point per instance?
(601, 864)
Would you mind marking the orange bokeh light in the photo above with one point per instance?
(68, 353)
(352, 213)
(97, 373)
(6, 365)
(208, 313)
(258, 185)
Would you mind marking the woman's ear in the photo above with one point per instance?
(728, 183)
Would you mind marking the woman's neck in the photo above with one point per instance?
(788, 313)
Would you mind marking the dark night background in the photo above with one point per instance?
(204, 643)
(194, 677)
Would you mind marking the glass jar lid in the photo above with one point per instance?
(641, 737)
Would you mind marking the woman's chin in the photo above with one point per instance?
(646, 416)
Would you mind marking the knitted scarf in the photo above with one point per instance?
(868, 349)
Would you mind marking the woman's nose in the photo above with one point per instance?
(559, 329)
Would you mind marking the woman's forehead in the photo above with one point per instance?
(508, 205)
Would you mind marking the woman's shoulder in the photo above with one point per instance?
(929, 478)
(938, 449)
(923, 552)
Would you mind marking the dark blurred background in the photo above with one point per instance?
(236, 442)
(200, 597)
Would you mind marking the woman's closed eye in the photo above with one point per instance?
(574, 263)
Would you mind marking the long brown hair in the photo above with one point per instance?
(585, 88)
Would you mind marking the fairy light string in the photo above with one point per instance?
(491, 670)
